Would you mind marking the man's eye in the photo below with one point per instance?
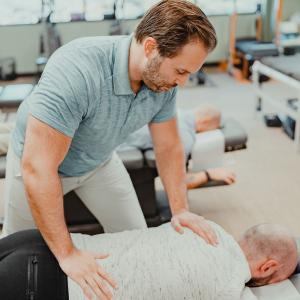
(180, 72)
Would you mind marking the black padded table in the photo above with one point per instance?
(12, 95)
(249, 50)
(132, 158)
(2, 166)
(289, 65)
(234, 134)
(257, 50)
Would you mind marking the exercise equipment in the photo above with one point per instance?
(285, 69)
(244, 51)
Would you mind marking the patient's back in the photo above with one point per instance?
(159, 263)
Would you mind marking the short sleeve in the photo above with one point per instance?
(61, 99)
(168, 110)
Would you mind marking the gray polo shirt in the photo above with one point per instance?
(85, 93)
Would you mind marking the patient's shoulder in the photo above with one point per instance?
(218, 229)
(225, 239)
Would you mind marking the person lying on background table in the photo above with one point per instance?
(190, 122)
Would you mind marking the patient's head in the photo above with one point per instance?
(271, 252)
(207, 118)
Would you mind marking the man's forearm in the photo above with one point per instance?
(45, 197)
(171, 168)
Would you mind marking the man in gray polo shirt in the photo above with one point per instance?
(93, 93)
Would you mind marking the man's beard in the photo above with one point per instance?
(152, 78)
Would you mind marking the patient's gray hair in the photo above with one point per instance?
(208, 117)
(272, 241)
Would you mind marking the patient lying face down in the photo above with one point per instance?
(158, 263)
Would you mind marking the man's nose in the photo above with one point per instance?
(181, 81)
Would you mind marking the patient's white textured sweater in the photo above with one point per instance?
(161, 264)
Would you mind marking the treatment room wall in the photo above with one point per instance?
(22, 42)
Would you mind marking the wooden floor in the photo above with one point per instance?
(268, 172)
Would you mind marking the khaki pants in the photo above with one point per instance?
(107, 192)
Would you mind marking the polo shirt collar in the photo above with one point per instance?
(121, 80)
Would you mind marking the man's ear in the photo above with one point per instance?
(269, 267)
(150, 46)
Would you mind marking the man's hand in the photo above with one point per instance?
(196, 223)
(81, 266)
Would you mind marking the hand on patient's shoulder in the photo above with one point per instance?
(81, 266)
(196, 223)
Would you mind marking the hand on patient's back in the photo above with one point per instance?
(81, 266)
(222, 174)
(197, 224)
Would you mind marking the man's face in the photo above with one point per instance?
(162, 73)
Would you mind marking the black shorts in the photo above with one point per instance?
(28, 269)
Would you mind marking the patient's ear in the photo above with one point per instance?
(269, 267)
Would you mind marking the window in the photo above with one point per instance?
(129, 9)
(75, 10)
(247, 6)
(67, 10)
(20, 12)
(30, 11)
(99, 10)
(216, 7)
(133, 9)
(225, 7)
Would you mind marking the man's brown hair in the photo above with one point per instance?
(173, 24)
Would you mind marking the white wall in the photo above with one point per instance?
(22, 42)
(289, 8)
